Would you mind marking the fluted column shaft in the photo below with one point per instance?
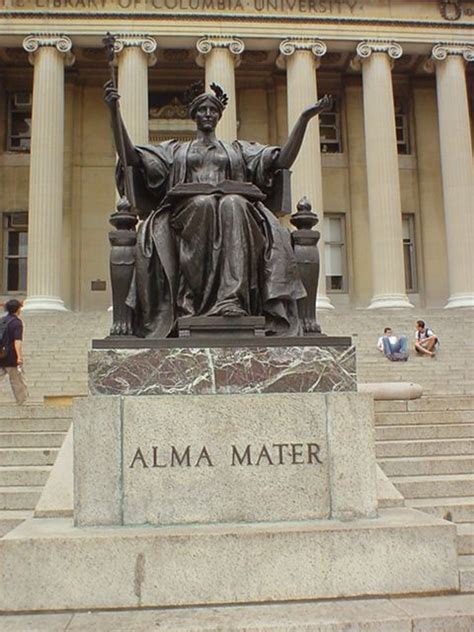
(457, 170)
(46, 188)
(302, 60)
(135, 54)
(385, 214)
(220, 57)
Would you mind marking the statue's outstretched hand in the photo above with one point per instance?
(321, 106)
(111, 96)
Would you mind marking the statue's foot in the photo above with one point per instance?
(233, 311)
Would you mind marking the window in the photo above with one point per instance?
(15, 230)
(19, 121)
(330, 130)
(408, 229)
(401, 126)
(334, 253)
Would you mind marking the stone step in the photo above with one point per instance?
(31, 439)
(53, 424)
(35, 412)
(466, 538)
(441, 403)
(436, 613)
(28, 456)
(435, 486)
(426, 404)
(19, 497)
(431, 431)
(398, 418)
(424, 447)
(466, 573)
(426, 465)
(9, 519)
(29, 475)
(455, 509)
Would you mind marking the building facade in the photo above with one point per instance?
(389, 170)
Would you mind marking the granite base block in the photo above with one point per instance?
(206, 370)
(223, 458)
(51, 565)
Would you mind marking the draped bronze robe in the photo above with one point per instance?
(197, 255)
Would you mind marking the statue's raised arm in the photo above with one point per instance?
(291, 148)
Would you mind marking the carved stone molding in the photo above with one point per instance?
(207, 43)
(291, 45)
(441, 51)
(450, 9)
(366, 48)
(147, 44)
(62, 43)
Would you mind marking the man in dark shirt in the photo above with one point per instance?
(12, 365)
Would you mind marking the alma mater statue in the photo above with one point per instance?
(208, 245)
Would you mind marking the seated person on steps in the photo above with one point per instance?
(394, 348)
(426, 341)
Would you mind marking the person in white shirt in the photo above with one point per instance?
(426, 341)
(393, 347)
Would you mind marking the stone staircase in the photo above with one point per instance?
(450, 372)
(426, 448)
(30, 438)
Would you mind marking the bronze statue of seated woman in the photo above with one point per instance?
(207, 244)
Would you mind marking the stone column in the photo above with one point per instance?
(48, 54)
(134, 54)
(301, 57)
(220, 55)
(385, 213)
(457, 168)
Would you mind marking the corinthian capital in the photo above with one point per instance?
(207, 43)
(61, 43)
(147, 44)
(464, 49)
(366, 48)
(290, 46)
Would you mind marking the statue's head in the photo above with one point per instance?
(197, 99)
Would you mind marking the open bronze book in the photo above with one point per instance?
(226, 187)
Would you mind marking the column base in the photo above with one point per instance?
(390, 301)
(44, 304)
(323, 302)
(460, 300)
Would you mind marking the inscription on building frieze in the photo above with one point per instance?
(446, 10)
(328, 7)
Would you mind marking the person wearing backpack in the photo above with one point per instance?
(11, 350)
(426, 341)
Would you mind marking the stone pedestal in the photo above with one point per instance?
(223, 458)
(223, 499)
(51, 565)
(253, 365)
